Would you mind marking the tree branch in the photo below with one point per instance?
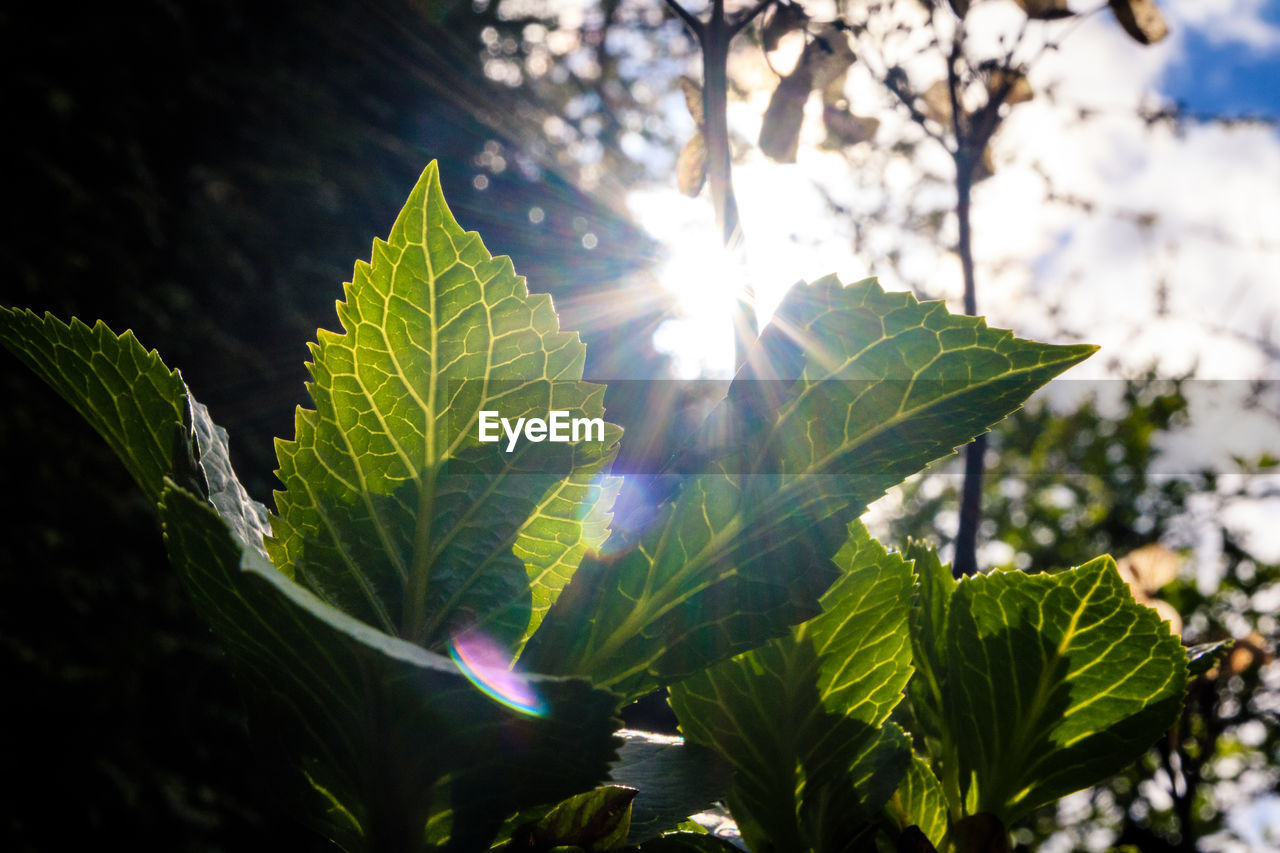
(695, 26)
(740, 24)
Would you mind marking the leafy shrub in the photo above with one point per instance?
(434, 633)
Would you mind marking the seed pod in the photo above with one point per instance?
(1019, 89)
(937, 103)
(844, 128)
(825, 61)
(1140, 19)
(780, 129)
(783, 18)
(1045, 10)
(691, 166)
(692, 99)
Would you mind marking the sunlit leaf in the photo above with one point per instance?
(742, 548)
(1054, 682)
(919, 802)
(803, 719)
(123, 390)
(365, 736)
(393, 510)
(593, 820)
(371, 735)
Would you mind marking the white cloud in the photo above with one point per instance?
(1225, 21)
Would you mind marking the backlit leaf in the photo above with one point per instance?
(393, 510)
(372, 735)
(919, 802)
(123, 390)
(1055, 681)
(803, 719)
(871, 386)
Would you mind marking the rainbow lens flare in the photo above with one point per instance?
(487, 666)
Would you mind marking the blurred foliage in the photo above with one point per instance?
(1067, 483)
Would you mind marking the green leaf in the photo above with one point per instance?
(393, 510)
(370, 735)
(593, 820)
(378, 734)
(919, 802)
(933, 591)
(803, 718)
(675, 779)
(123, 390)
(687, 842)
(872, 387)
(1056, 681)
(1202, 658)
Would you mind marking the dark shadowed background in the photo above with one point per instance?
(206, 174)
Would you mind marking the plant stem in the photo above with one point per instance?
(714, 37)
(970, 143)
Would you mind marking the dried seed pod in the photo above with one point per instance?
(824, 63)
(1019, 87)
(1141, 19)
(1149, 568)
(937, 102)
(691, 166)
(845, 129)
(1045, 10)
(783, 18)
(985, 167)
(693, 99)
(829, 55)
(780, 129)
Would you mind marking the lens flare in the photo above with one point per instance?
(486, 665)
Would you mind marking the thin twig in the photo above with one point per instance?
(739, 25)
(694, 25)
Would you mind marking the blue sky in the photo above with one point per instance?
(1224, 76)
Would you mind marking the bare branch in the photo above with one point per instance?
(695, 26)
(740, 24)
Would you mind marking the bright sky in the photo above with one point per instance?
(1210, 196)
(1176, 263)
